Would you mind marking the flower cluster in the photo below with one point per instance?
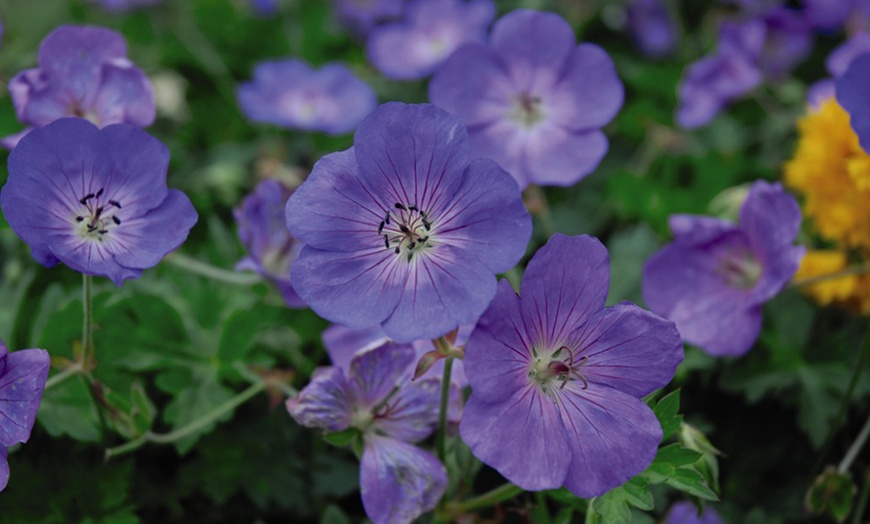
(371, 393)
(532, 99)
(402, 230)
(95, 199)
(653, 27)
(83, 72)
(288, 93)
(712, 279)
(22, 380)
(572, 370)
(831, 172)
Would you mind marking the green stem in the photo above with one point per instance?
(194, 427)
(849, 271)
(855, 448)
(858, 514)
(441, 438)
(488, 499)
(63, 376)
(540, 206)
(88, 348)
(207, 270)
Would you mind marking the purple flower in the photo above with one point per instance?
(788, 40)
(290, 94)
(262, 230)
(557, 378)
(837, 63)
(685, 512)
(373, 395)
(22, 380)
(827, 14)
(532, 99)
(712, 82)
(264, 8)
(413, 47)
(712, 279)
(360, 16)
(94, 199)
(853, 93)
(652, 27)
(83, 71)
(402, 230)
(121, 6)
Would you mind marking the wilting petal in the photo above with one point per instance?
(412, 414)
(399, 481)
(324, 403)
(614, 437)
(564, 284)
(375, 373)
(628, 349)
(21, 387)
(520, 436)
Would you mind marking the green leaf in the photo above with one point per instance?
(68, 409)
(667, 411)
(629, 249)
(832, 493)
(334, 515)
(610, 508)
(342, 438)
(674, 455)
(637, 493)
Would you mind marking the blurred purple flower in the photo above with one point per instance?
(83, 71)
(373, 394)
(652, 27)
(685, 512)
(837, 63)
(788, 40)
(121, 6)
(360, 16)
(263, 231)
(557, 378)
(532, 99)
(853, 93)
(94, 199)
(402, 230)
(264, 8)
(431, 30)
(712, 279)
(712, 82)
(288, 93)
(22, 381)
(827, 15)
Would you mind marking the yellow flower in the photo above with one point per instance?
(832, 173)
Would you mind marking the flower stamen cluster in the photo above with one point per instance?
(98, 216)
(558, 366)
(410, 228)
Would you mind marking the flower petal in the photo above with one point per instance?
(21, 387)
(333, 209)
(589, 93)
(4, 469)
(412, 154)
(519, 435)
(445, 287)
(412, 414)
(629, 349)
(565, 282)
(125, 95)
(342, 342)
(557, 157)
(487, 217)
(497, 356)
(374, 373)
(399, 481)
(358, 290)
(613, 437)
(324, 403)
(852, 89)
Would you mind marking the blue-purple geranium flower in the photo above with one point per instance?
(431, 30)
(652, 26)
(373, 394)
(402, 230)
(263, 231)
(290, 94)
(684, 512)
(557, 378)
(853, 93)
(532, 99)
(83, 71)
(22, 381)
(95, 199)
(361, 16)
(712, 279)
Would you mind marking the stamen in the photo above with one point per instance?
(79, 219)
(387, 218)
(116, 220)
(410, 256)
(85, 198)
(411, 246)
(404, 229)
(103, 231)
(398, 250)
(413, 207)
(380, 227)
(115, 203)
(100, 192)
(400, 206)
(427, 224)
(387, 242)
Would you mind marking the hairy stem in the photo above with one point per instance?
(441, 438)
(61, 377)
(191, 428)
(486, 500)
(207, 270)
(855, 448)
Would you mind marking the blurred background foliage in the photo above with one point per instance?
(172, 346)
